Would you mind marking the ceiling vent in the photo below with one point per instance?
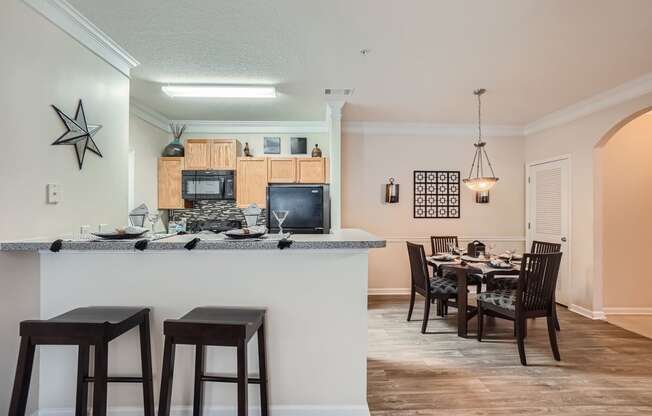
(338, 92)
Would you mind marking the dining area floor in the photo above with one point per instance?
(604, 369)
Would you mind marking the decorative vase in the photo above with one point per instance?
(247, 152)
(316, 152)
(174, 149)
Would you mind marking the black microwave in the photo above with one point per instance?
(207, 184)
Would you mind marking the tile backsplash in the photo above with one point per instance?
(213, 210)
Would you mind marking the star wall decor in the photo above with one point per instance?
(78, 133)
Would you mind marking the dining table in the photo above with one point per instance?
(463, 267)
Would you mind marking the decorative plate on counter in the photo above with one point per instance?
(119, 236)
(244, 233)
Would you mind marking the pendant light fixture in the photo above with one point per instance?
(477, 181)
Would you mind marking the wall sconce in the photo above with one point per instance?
(391, 192)
(482, 197)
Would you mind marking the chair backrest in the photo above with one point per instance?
(541, 247)
(440, 244)
(418, 266)
(538, 281)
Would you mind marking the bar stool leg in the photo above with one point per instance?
(22, 378)
(166, 377)
(146, 362)
(198, 399)
(243, 383)
(262, 370)
(81, 403)
(100, 378)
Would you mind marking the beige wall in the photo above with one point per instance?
(368, 162)
(147, 143)
(579, 138)
(626, 207)
(41, 65)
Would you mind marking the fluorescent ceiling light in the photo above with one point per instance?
(220, 91)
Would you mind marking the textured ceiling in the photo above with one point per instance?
(533, 56)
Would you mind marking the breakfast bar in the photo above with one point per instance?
(314, 291)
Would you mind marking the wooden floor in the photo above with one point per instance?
(604, 369)
(640, 324)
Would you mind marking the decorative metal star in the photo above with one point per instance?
(78, 133)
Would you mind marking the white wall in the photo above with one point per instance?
(368, 162)
(256, 142)
(41, 65)
(147, 143)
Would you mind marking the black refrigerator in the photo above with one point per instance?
(308, 208)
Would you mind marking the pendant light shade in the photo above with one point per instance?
(477, 181)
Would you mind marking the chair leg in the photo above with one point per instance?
(439, 311)
(243, 382)
(100, 378)
(166, 377)
(262, 371)
(554, 315)
(412, 299)
(552, 334)
(198, 397)
(81, 402)
(480, 322)
(520, 339)
(23, 377)
(146, 364)
(426, 314)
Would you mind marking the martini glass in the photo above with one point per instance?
(280, 216)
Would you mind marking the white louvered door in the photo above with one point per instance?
(549, 213)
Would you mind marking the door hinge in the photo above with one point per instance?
(528, 225)
(528, 179)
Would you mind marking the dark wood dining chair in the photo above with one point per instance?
(534, 297)
(431, 288)
(538, 247)
(441, 244)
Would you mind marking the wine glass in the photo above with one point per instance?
(153, 218)
(491, 248)
(280, 216)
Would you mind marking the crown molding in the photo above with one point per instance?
(149, 115)
(243, 127)
(71, 21)
(428, 129)
(624, 92)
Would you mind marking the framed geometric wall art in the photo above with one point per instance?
(436, 194)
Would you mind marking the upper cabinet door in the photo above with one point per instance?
(169, 183)
(223, 154)
(198, 154)
(312, 170)
(251, 178)
(282, 170)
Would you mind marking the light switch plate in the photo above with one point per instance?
(53, 193)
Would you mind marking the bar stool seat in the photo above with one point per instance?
(90, 326)
(215, 326)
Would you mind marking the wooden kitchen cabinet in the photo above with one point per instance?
(223, 154)
(282, 170)
(251, 181)
(198, 154)
(312, 170)
(169, 182)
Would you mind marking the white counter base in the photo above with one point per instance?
(316, 304)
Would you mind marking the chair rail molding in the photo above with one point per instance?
(627, 311)
(70, 20)
(401, 239)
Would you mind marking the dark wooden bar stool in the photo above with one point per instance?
(222, 327)
(95, 326)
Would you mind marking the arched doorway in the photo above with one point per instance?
(623, 170)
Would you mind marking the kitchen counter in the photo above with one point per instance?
(315, 293)
(339, 239)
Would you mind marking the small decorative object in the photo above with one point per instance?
(316, 152)
(436, 194)
(280, 217)
(247, 151)
(474, 249)
(175, 147)
(391, 192)
(298, 146)
(482, 197)
(272, 145)
(251, 214)
(78, 133)
(477, 181)
(137, 215)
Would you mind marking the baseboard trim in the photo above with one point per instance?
(306, 410)
(627, 311)
(389, 291)
(587, 313)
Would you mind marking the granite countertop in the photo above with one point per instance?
(337, 239)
